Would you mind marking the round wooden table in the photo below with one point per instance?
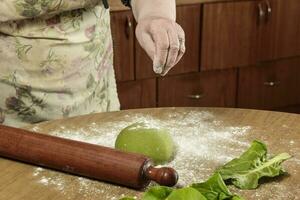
(280, 131)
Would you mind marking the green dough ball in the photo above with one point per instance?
(152, 142)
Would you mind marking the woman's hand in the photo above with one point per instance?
(163, 40)
(158, 33)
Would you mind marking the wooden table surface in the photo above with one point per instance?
(281, 132)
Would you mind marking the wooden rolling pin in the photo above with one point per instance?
(93, 161)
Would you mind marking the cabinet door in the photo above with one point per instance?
(229, 35)
(270, 86)
(137, 94)
(280, 36)
(189, 19)
(123, 44)
(212, 88)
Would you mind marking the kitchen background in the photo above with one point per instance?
(240, 53)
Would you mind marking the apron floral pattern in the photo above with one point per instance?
(56, 60)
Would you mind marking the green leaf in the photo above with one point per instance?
(157, 193)
(244, 172)
(128, 198)
(188, 193)
(237, 198)
(215, 189)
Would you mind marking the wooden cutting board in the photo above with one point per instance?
(232, 127)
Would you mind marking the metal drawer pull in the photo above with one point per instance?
(269, 8)
(128, 27)
(261, 12)
(272, 83)
(195, 96)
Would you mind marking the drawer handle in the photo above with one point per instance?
(272, 83)
(261, 12)
(128, 27)
(269, 9)
(195, 96)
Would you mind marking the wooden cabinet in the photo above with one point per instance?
(244, 33)
(273, 85)
(137, 94)
(123, 44)
(260, 38)
(290, 109)
(280, 35)
(189, 18)
(229, 35)
(199, 89)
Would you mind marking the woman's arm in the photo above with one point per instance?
(158, 33)
(22, 9)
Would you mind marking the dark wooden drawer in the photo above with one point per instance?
(210, 88)
(137, 94)
(271, 85)
(189, 18)
(290, 109)
(123, 44)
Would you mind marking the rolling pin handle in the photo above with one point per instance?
(165, 176)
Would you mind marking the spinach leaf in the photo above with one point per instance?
(215, 189)
(244, 172)
(157, 193)
(187, 193)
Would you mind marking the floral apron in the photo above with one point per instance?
(56, 60)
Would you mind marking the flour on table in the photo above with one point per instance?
(201, 141)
